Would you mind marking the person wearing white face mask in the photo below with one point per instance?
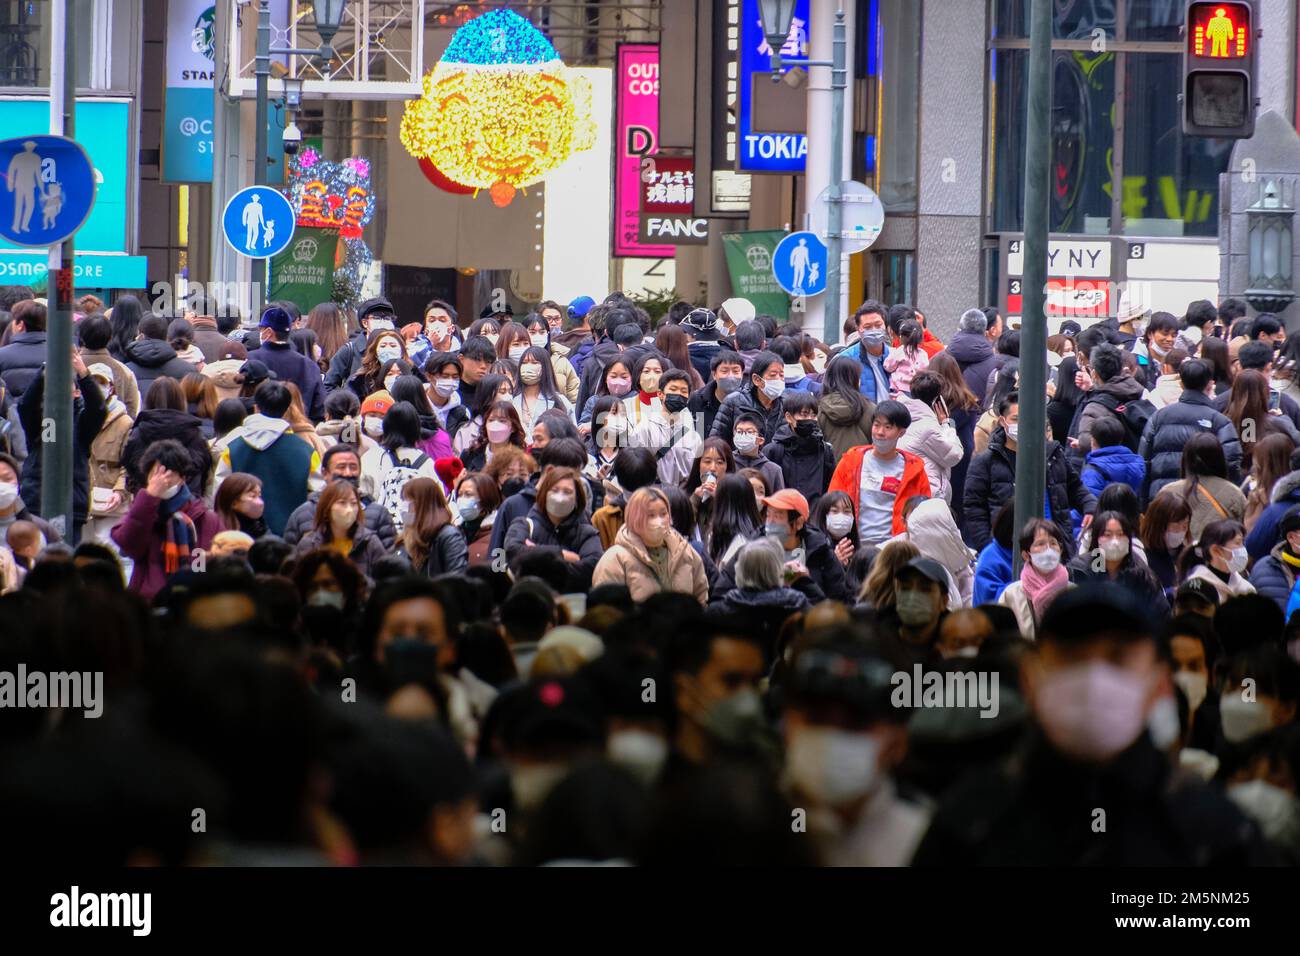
(558, 520)
(1259, 692)
(649, 557)
(1111, 558)
(1043, 575)
(762, 395)
(1091, 684)
(1219, 559)
(844, 738)
(439, 335)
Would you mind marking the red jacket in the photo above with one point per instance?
(848, 478)
(930, 345)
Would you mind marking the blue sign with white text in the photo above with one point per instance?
(768, 152)
(258, 222)
(799, 264)
(49, 189)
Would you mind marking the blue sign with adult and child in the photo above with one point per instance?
(258, 222)
(49, 189)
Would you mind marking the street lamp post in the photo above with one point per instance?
(777, 15)
(329, 17)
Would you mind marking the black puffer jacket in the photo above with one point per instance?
(575, 533)
(378, 521)
(991, 481)
(1132, 575)
(1168, 432)
(806, 463)
(149, 359)
(448, 554)
(155, 424)
(736, 404)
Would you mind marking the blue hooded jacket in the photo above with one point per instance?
(1114, 463)
(993, 572)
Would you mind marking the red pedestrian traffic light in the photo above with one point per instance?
(1219, 70)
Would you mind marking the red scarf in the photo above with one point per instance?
(1041, 588)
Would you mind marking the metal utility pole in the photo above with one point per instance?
(262, 71)
(57, 442)
(832, 322)
(1031, 464)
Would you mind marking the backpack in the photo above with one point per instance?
(1133, 415)
(395, 479)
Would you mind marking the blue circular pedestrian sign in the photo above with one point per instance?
(49, 189)
(799, 264)
(258, 222)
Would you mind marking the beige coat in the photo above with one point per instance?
(124, 384)
(1231, 502)
(106, 468)
(628, 563)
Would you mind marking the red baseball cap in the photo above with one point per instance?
(788, 499)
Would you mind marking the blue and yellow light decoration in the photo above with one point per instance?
(500, 110)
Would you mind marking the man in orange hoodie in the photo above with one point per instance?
(880, 478)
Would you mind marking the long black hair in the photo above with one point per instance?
(401, 427)
(734, 512)
(843, 377)
(127, 313)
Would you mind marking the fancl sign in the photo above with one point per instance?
(676, 230)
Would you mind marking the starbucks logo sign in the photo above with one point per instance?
(201, 37)
(304, 250)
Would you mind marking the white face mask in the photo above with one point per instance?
(839, 524)
(323, 598)
(389, 383)
(560, 505)
(1275, 810)
(773, 388)
(833, 766)
(373, 425)
(1192, 335)
(530, 374)
(407, 511)
(8, 493)
(1045, 561)
(1091, 711)
(1162, 723)
(1012, 430)
(491, 337)
(1243, 719)
(639, 752)
(439, 331)
(171, 492)
(516, 351)
(381, 325)
(819, 363)
(1240, 558)
(1175, 539)
(656, 530)
(1278, 384)
(1114, 549)
(538, 339)
(388, 353)
(446, 387)
(744, 441)
(1193, 687)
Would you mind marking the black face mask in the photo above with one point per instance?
(675, 403)
(512, 486)
(806, 427)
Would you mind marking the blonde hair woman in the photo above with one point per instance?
(649, 556)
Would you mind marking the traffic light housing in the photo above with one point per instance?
(1219, 69)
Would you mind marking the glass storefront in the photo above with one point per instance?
(1116, 77)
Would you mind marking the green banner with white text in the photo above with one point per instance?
(749, 260)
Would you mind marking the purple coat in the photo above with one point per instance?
(140, 535)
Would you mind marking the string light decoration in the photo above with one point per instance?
(335, 195)
(500, 110)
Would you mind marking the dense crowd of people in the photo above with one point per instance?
(581, 586)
